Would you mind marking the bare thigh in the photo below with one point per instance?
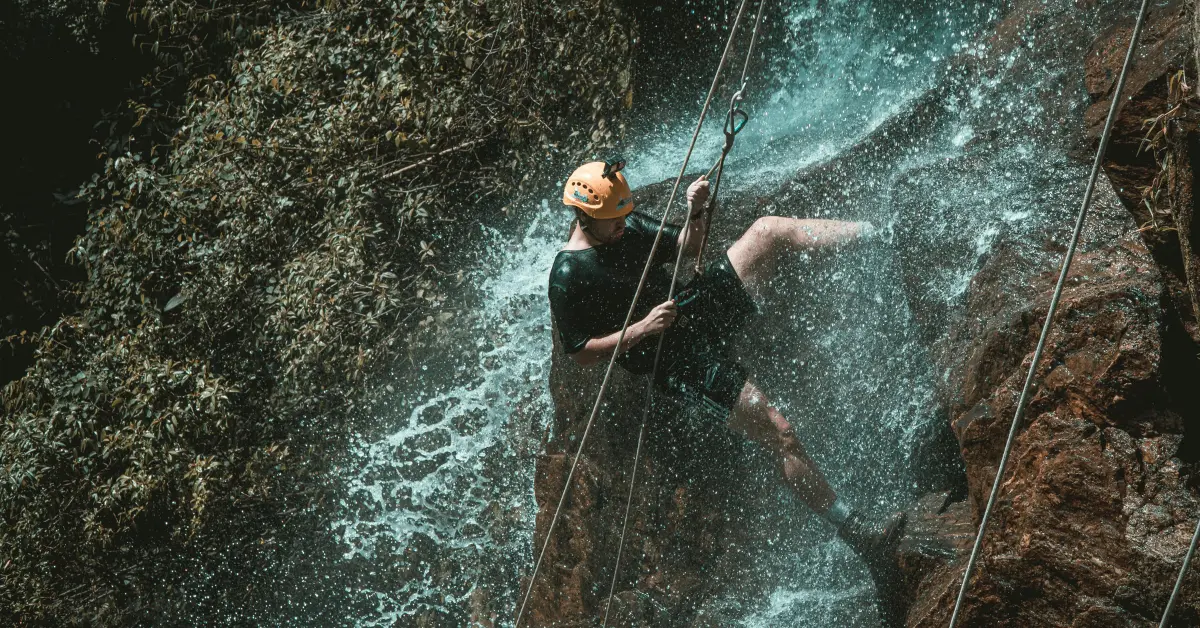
(753, 256)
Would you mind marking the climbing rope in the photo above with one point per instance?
(735, 120)
(1187, 560)
(732, 128)
(1062, 277)
(629, 316)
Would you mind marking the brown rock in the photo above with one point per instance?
(681, 544)
(1094, 513)
(1132, 165)
(1088, 525)
(939, 535)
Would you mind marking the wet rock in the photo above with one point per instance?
(686, 535)
(469, 421)
(429, 441)
(938, 535)
(1072, 535)
(1076, 533)
(1132, 165)
(1095, 511)
(420, 467)
(938, 532)
(435, 414)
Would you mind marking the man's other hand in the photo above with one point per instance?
(660, 318)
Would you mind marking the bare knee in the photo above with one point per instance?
(752, 402)
(784, 438)
(766, 229)
(762, 422)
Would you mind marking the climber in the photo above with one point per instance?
(592, 283)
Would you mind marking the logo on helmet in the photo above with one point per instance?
(579, 197)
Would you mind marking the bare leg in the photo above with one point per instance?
(762, 423)
(755, 255)
(875, 543)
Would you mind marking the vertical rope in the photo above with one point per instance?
(671, 293)
(719, 167)
(753, 38)
(1058, 288)
(612, 588)
(628, 318)
(1187, 560)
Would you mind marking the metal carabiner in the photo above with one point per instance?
(735, 120)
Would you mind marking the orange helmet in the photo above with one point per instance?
(600, 190)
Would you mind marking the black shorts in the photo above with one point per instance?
(697, 362)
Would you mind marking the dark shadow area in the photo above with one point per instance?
(679, 45)
(59, 89)
(1181, 354)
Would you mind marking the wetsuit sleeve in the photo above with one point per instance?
(564, 309)
(646, 228)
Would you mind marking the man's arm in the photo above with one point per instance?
(657, 321)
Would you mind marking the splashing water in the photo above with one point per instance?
(444, 478)
(447, 494)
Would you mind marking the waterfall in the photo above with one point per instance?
(444, 499)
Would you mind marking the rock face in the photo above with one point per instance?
(1097, 507)
(1098, 504)
(1158, 174)
(1094, 511)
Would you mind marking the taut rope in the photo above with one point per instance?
(1187, 560)
(629, 316)
(731, 130)
(1062, 278)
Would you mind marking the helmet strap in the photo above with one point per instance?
(583, 220)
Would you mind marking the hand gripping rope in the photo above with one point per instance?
(1037, 354)
(629, 316)
(734, 121)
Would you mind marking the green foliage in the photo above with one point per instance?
(250, 276)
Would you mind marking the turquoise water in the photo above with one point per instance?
(444, 498)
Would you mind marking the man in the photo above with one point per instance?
(592, 283)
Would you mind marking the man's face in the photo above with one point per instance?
(609, 230)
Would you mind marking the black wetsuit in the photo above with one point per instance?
(590, 293)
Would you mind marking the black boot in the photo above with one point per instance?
(873, 544)
(877, 547)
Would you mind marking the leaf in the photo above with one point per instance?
(175, 302)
